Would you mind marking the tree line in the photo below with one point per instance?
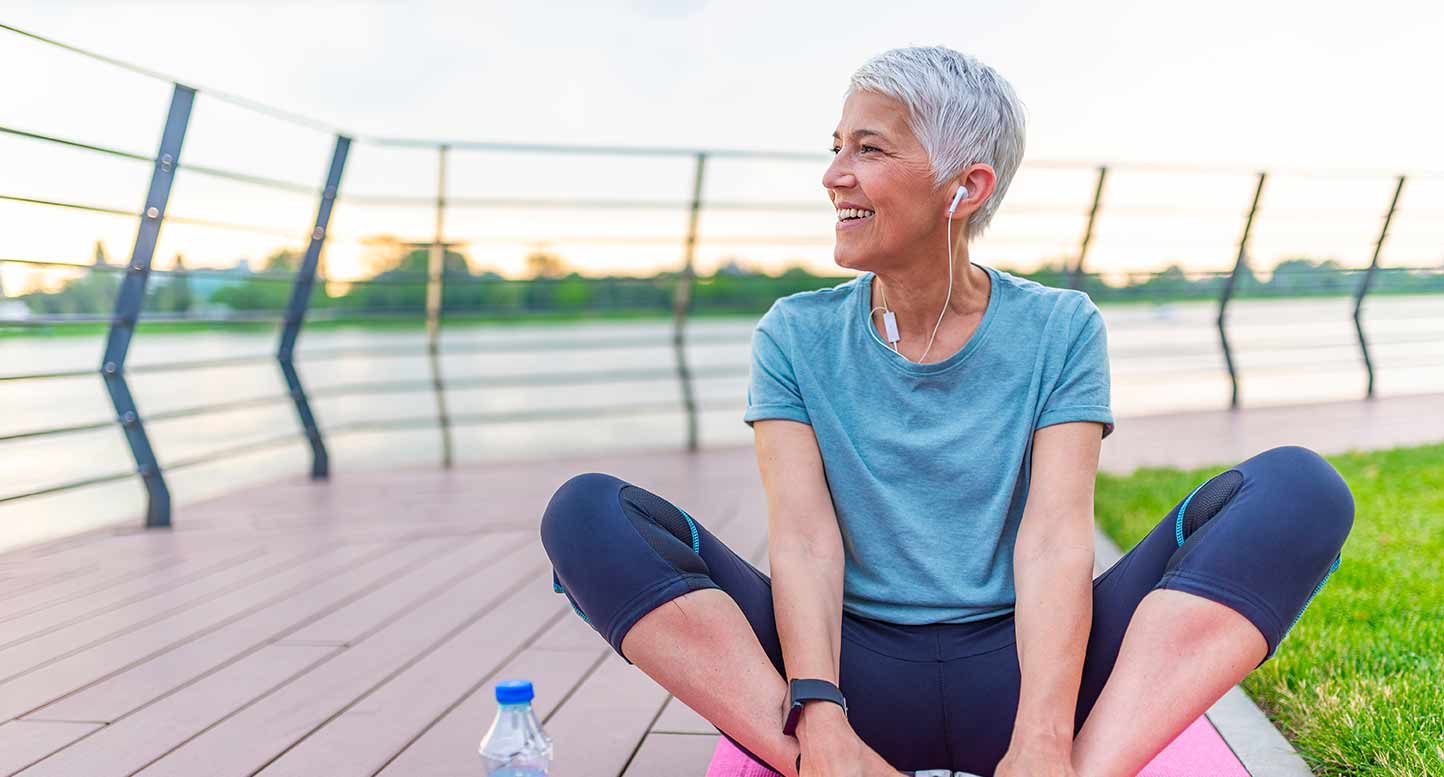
(400, 287)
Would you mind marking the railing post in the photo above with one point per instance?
(1076, 280)
(682, 299)
(131, 297)
(296, 310)
(1229, 285)
(1368, 279)
(436, 261)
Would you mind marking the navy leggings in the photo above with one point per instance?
(1261, 538)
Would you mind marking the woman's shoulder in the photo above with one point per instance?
(811, 307)
(1032, 299)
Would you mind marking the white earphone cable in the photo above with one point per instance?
(946, 300)
(950, 289)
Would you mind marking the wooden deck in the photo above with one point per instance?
(347, 628)
(355, 627)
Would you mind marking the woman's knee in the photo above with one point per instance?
(590, 514)
(1314, 476)
(573, 510)
(1314, 488)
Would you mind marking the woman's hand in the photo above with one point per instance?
(1035, 761)
(830, 748)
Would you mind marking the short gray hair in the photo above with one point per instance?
(961, 111)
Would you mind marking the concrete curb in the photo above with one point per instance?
(1262, 750)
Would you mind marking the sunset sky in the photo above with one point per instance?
(1241, 86)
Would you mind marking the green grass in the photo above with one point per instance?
(1358, 685)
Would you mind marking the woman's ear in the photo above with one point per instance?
(976, 185)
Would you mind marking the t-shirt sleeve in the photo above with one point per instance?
(772, 390)
(1080, 392)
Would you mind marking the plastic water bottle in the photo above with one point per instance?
(515, 745)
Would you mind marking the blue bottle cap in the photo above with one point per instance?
(514, 692)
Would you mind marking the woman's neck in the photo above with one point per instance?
(915, 295)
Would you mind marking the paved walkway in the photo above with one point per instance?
(1207, 437)
(355, 627)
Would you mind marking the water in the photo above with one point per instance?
(514, 744)
(1165, 358)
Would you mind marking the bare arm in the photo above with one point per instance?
(1053, 573)
(804, 547)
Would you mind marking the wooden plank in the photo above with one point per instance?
(23, 742)
(416, 568)
(120, 750)
(86, 549)
(372, 731)
(353, 621)
(669, 755)
(110, 550)
(27, 580)
(254, 736)
(448, 748)
(19, 626)
(55, 582)
(58, 678)
(27, 654)
(75, 545)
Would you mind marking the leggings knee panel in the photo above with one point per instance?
(670, 532)
(1205, 502)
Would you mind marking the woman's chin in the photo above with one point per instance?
(849, 260)
(861, 266)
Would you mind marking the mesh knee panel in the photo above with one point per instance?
(1209, 499)
(664, 527)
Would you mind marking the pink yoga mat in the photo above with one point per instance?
(1198, 752)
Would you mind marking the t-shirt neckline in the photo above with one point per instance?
(901, 362)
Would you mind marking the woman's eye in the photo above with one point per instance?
(867, 148)
(835, 149)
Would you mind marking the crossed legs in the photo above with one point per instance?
(1181, 653)
(1175, 624)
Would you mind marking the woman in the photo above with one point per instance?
(928, 436)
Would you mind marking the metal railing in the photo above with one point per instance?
(130, 294)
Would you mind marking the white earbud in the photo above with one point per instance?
(957, 198)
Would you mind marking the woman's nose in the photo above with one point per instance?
(837, 175)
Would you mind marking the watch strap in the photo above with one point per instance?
(802, 691)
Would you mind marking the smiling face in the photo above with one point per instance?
(880, 167)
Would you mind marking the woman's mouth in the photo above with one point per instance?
(848, 218)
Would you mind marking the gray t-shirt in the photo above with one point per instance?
(928, 464)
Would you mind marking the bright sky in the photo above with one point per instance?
(1282, 85)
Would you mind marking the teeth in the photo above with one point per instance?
(843, 214)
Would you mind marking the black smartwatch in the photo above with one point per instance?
(800, 692)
